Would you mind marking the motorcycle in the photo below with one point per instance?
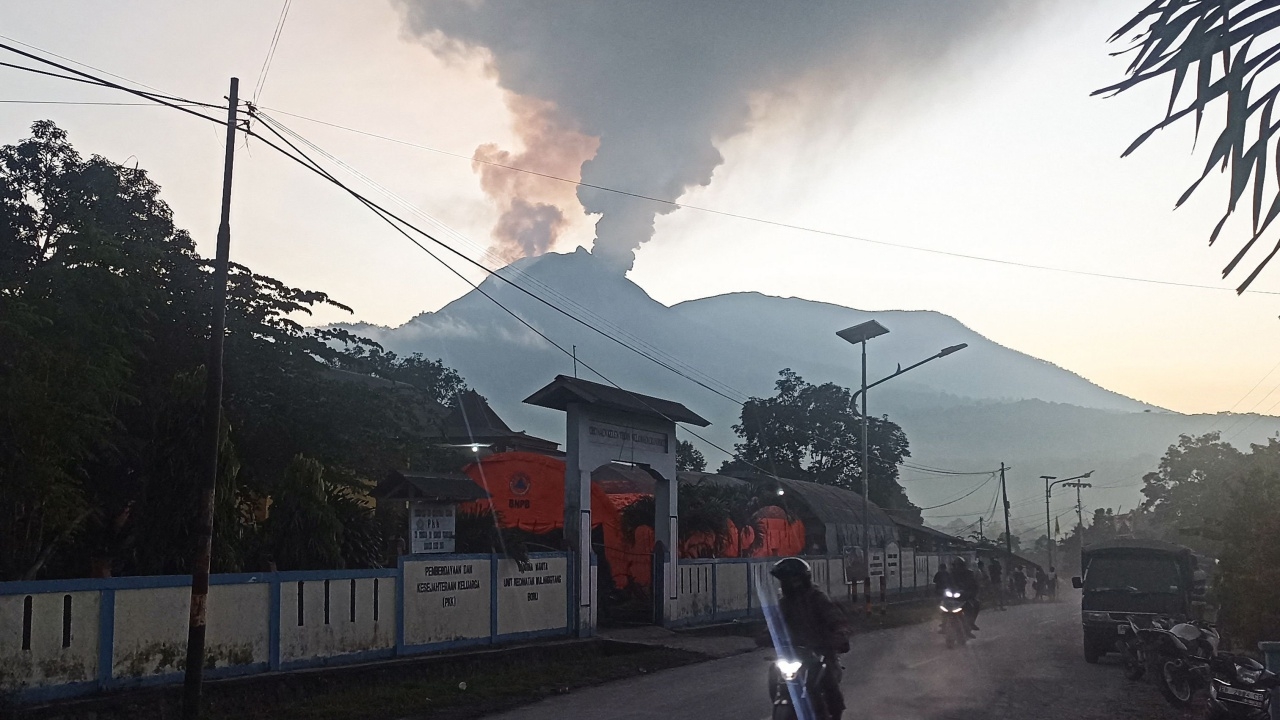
(796, 677)
(1240, 688)
(1137, 648)
(955, 621)
(1180, 656)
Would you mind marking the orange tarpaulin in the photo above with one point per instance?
(526, 491)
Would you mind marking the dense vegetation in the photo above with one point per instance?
(104, 316)
(812, 432)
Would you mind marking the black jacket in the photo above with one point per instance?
(814, 621)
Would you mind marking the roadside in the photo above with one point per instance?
(458, 686)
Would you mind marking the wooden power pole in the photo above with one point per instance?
(1004, 497)
(212, 429)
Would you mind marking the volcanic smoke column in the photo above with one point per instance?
(658, 82)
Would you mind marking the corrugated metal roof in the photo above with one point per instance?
(433, 487)
(835, 506)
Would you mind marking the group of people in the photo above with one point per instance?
(1024, 585)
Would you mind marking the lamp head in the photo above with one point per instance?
(954, 348)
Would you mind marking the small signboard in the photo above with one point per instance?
(876, 565)
(891, 562)
(431, 527)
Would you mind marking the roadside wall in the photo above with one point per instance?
(63, 638)
(727, 588)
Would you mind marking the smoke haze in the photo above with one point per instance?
(660, 81)
(532, 207)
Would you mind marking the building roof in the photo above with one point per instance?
(829, 504)
(473, 420)
(926, 530)
(429, 487)
(563, 391)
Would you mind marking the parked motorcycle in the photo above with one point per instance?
(955, 621)
(1241, 688)
(1180, 657)
(1138, 644)
(795, 677)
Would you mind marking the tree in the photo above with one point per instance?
(811, 432)
(104, 317)
(1249, 572)
(1178, 39)
(1015, 543)
(689, 458)
(1187, 495)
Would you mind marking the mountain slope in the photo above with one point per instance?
(971, 410)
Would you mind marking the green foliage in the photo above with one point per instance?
(1226, 47)
(811, 432)
(689, 458)
(104, 317)
(1189, 493)
(1249, 571)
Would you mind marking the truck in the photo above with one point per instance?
(1139, 578)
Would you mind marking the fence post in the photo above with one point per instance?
(273, 622)
(106, 636)
(493, 598)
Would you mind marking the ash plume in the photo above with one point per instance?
(660, 81)
(532, 207)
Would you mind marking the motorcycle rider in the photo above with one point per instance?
(963, 580)
(815, 622)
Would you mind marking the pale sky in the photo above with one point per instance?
(1001, 153)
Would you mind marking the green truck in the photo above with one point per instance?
(1139, 578)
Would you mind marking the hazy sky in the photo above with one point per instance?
(993, 147)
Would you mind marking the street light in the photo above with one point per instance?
(859, 335)
(1048, 488)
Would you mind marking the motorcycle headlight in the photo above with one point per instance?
(789, 668)
(951, 594)
(1248, 675)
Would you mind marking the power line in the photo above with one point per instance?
(766, 221)
(962, 497)
(271, 52)
(116, 104)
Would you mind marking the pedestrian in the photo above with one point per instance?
(1019, 583)
(1042, 584)
(995, 571)
(1053, 584)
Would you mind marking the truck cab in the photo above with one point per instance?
(1140, 578)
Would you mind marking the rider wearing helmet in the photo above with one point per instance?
(815, 622)
(963, 580)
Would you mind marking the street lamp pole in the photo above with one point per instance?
(1048, 489)
(1048, 530)
(859, 335)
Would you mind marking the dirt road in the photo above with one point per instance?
(1026, 663)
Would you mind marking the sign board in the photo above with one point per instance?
(891, 562)
(600, 433)
(446, 600)
(431, 528)
(876, 565)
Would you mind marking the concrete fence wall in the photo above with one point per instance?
(727, 588)
(62, 638)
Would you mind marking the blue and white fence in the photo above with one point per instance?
(61, 638)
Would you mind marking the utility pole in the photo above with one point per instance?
(981, 537)
(1079, 508)
(1004, 496)
(212, 428)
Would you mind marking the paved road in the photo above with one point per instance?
(1025, 664)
